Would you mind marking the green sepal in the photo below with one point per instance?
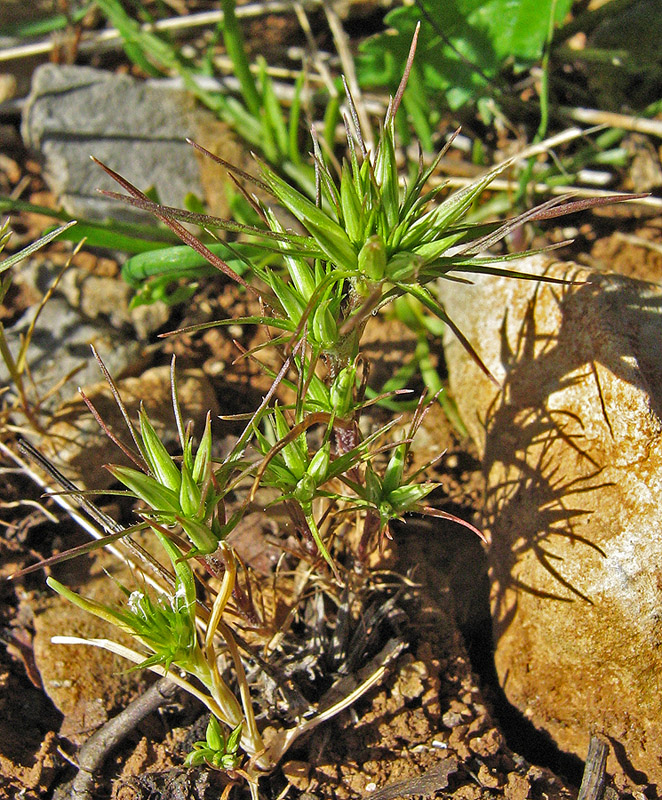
(204, 540)
(319, 464)
(232, 744)
(341, 394)
(196, 757)
(214, 735)
(372, 259)
(330, 237)
(146, 488)
(404, 498)
(394, 470)
(160, 463)
(293, 453)
(203, 455)
(373, 486)
(386, 175)
(190, 497)
(291, 303)
(352, 210)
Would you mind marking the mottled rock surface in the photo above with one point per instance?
(60, 346)
(572, 454)
(137, 128)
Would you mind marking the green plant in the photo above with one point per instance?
(177, 635)
(167, 628)
(259, 115)
(368, 241)
(475, 54)
(216, 750)
(465, 47)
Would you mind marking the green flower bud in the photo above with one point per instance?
(189, 495)
(146, 488)
(160, 462)
(304, 491)
(214, 735)
(324, 327)
(202, 537)
(394, 470)
(319, 465)
(294, 452)
(372, 259)
(373, 486)
(203, 456)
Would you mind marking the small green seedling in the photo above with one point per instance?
(217, 750)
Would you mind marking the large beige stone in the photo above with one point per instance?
(572, 454)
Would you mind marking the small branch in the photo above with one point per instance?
(626, 122)
(95, 750)
(341, 41)
(593, 781)
(501, 185)
(111, 37)
(319, 61)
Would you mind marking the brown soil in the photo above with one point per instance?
(433, 727)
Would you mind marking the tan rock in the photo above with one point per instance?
(87, 684)
(572, 454)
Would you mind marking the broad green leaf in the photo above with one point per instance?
(463, 45)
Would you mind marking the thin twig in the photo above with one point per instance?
(341, 41)
(95, 532)
(318, 60)
(626, 122)
(111, 37)
(433, 780)
(500, 185)
(593, 780)
(95, 750)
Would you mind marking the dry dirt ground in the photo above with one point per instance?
(437, 725)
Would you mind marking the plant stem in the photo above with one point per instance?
(93, 753)
(250, 736)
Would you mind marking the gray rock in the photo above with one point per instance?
(136, 128)
(102, 297)
(60, 346)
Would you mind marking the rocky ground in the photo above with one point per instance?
(560, 470)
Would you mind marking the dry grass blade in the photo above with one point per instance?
(187, 237)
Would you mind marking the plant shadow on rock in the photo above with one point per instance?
(575, 397)
(521, 422)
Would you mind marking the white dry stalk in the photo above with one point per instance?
(499, 185)
(283, 740)
(540, 148)
(85, 523)
(111, 38)
(341, 41)
(611, 119)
